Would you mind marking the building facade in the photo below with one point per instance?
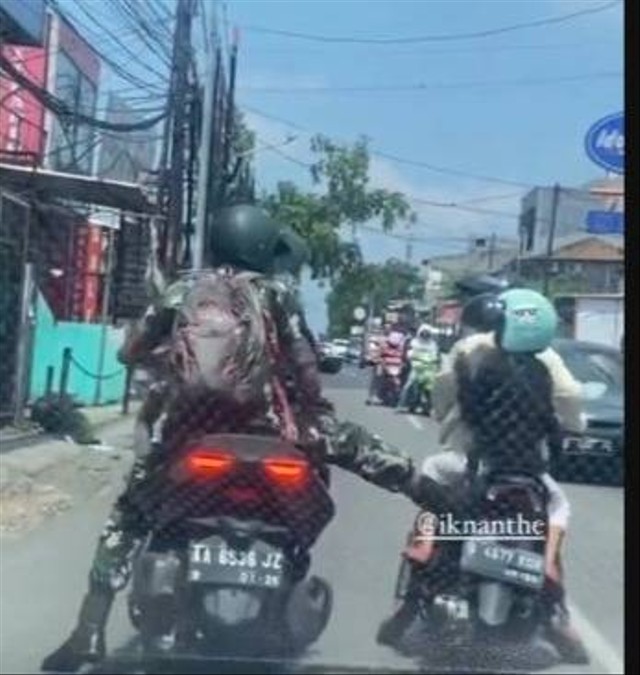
(572, 212)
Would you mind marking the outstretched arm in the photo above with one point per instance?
(355, 449)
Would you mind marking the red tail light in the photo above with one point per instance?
(286, 471)
(209, 463)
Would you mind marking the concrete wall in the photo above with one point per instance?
(572, 213)
(52, 337)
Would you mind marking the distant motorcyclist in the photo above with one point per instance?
(391, 351)
(422, 348)
(525, 392)
(247, 239)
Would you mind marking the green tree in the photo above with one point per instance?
(343, 198)
(373, 285)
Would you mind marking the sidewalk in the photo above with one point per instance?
(42, 475)
(29, 433)
(102, 415)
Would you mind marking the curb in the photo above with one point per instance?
(24, 441)
(35, 438)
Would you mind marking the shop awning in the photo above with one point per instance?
(43, 184)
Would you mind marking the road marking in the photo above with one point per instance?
(596, 643)
(415, 422)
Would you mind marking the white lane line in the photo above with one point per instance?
(415, 422)
(597, 645)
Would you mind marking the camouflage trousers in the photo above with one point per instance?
(123, 531)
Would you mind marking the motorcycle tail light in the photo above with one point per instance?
(286, 471)
(209, 463)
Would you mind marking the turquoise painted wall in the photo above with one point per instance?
(51, 337)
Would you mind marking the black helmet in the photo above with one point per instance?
(484, 313)
(291, 252)
(244, 236)
(480, 284)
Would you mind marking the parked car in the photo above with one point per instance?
(329, 360)
(341, 348)
(354, 351)
(598, 454)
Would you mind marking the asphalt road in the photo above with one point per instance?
(43, 575)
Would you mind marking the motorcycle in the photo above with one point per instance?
(482, 590)
(424, 369)
(225, 569)
(390, 379)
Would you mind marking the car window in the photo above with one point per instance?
(602, 371)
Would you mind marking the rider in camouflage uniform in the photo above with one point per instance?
(246, 239)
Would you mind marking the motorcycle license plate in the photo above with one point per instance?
(503, 563)
(214, 562)
(394, 371)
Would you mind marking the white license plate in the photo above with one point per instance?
(394, 371)
(214, 562)
(578, 445)
(511, 565)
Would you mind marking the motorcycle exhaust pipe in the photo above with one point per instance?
(494, 602)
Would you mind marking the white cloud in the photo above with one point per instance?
(448, 222)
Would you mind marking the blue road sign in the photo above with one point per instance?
(604, 143)
(605, 222)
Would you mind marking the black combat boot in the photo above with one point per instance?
(392, 630)
(563, 636)
(558, 630)
(87, 642)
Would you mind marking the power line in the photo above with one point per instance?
(407, 161)
(449, 242)
(133, 55)
(63, 111)
(459, 206)
(475, 50)
(150, 37)
(561, 18)
(117, 68)
(428, 86)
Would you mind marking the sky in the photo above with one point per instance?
(489, 105)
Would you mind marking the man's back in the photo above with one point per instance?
(454, 433)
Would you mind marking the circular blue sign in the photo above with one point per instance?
(604, 143)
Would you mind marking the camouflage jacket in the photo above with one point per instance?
(148, 338)
(357, 450)
(347, 445)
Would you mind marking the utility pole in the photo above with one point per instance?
(206, 155)
(409, 250)
(106, 301)
(180, 69)
(408, 253)
(492, 251)
(551, 238)
(229, 126)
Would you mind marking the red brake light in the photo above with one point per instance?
(286, 471)
(209, 463)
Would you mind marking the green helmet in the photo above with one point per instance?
(529, 322)
(244, 236)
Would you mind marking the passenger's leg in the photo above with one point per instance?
(403, 401)
(560, 631)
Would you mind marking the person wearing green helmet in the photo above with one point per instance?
(502, 381)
